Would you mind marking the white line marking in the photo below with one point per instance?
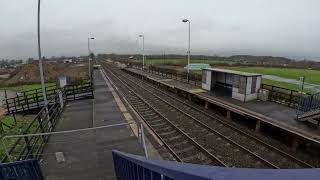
(70, 131)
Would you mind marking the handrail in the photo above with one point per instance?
(44, 122)
(31, 101)
(29, 169)
(128, 166)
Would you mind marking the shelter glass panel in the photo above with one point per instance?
(242, 85)
(254, 84)
(204, 77)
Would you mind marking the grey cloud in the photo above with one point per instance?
(266, 27)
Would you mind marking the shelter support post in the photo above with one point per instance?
(206, 105)
(258, 126)
(229, 115)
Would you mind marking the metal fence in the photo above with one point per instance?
(30, 147)
(33, 99)
(283, 96)
(194, 78)
(129, 167)
(28, 99)
(308, 104)
(22, 170)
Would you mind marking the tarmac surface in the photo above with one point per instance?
(87, 154)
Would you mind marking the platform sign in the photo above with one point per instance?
(197, 66)
(62, 81)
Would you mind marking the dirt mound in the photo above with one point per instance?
(30, 73)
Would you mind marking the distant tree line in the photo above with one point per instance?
(6, 63)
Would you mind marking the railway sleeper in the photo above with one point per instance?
(167, 133)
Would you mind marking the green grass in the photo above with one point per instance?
(13, 129)
(285, 85)
(311, 76)
(26, 87)
(182, 62)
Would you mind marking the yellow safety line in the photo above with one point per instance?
(120, 104)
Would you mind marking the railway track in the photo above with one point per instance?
(228, 145)
(181, 146)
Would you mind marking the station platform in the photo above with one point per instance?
(85, 152)
(271, 113)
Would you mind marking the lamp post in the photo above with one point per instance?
(142, 36)
(89, 52)
(43, 87)
(188, 21)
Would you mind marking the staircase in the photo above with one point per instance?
(309, 108)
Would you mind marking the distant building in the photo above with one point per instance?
(67, 60)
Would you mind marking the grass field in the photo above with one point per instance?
(285, 85)
(311, 76)
(182, 62)
(25, 87)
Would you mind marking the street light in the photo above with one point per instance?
(142, 51)
(188, 21)
(43, 87)
(89, 51)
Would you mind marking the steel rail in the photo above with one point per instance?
(208, 128)
(201, 148)
(224, 122)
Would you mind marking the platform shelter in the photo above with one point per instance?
(242, 86)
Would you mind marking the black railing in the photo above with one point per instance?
(308, 103)
(30, 147)
(282, 95)
(33, 99)
(28, 99)
(178, 75)
(28, 170)
(78, 91)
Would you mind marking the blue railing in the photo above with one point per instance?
(132, 167)
(21, 170)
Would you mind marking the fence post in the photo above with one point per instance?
(290, 100)
(15, 106)
(19, 101)
(14, 118)
(310, 104)
(270, 96)
(5, 94)
(26, 100)
(37, 97)
(28, 147)
(74, 95)
(40, 124)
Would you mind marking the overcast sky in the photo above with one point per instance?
(288, 28)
